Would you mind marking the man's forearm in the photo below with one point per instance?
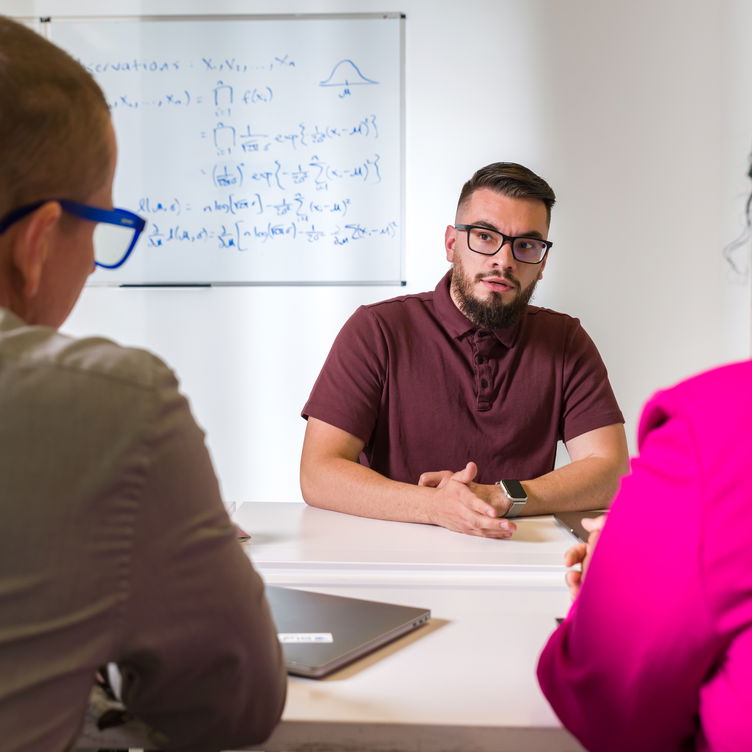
(589, 483)
(345, 486)
(332, 478)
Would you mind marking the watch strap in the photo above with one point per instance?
(515, 508)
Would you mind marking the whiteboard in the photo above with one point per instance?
(261, 149)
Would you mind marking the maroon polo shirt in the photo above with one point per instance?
(427, 390)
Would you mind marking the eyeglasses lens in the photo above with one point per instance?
(483, 241)
(529, 250)
(111, 243)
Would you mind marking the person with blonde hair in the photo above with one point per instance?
(115, 546)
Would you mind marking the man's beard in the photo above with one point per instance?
(491, 313)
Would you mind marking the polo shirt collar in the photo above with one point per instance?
(457, 324)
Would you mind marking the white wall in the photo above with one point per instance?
(636, 112)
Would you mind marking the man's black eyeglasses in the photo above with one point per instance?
(489, 242)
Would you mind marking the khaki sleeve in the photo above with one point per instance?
(199, 653)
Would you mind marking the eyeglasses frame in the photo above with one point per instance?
(504, 240)
(117, 217)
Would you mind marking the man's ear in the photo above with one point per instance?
(450, 237)
(31, 245)
(542, 267)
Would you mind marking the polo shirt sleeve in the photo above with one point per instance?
(588, 400)
(348, 391)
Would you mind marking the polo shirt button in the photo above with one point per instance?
(483, 383)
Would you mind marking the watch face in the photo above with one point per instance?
(514, 490)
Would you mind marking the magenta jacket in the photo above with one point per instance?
(656, 653)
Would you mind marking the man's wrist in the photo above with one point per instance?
(498, 499)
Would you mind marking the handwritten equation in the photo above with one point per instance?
(241, 237)
(226, 137)
(237, 205)
(243, 135)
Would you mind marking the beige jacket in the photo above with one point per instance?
(115, 547)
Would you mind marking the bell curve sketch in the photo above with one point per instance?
(345, 74)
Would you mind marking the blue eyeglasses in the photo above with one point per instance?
(115, 236)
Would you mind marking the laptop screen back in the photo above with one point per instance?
(572, 521)
(320, 633)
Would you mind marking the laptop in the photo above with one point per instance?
(321, 633)
(572, 522)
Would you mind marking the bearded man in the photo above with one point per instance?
(446, 407)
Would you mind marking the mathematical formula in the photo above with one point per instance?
(247, 134)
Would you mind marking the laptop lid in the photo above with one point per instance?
(572, 522)
(321, 633)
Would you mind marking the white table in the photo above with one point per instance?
(295, 543)
(467, 681)
(464, 682)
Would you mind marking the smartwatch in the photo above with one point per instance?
(514, 491)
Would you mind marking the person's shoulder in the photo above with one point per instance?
(548, 316)
(395, 309)
(400, 303)
(730, 375)
(717, 401)
(93, 358)
(726, 383)
(548, 325)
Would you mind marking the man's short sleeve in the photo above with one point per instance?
(347, 392)
(588, 400)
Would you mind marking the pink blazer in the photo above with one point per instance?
(656, 653)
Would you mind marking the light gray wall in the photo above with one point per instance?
(634, 111)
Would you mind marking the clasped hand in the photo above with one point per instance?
(465, 506)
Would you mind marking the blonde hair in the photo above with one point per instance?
(54, 140)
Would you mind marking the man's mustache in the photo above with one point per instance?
(503, 275)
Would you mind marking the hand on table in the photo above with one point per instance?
(465, 506)
(581, 553)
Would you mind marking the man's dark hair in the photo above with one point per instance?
(512, 180)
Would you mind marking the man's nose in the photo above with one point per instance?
(504, 257)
